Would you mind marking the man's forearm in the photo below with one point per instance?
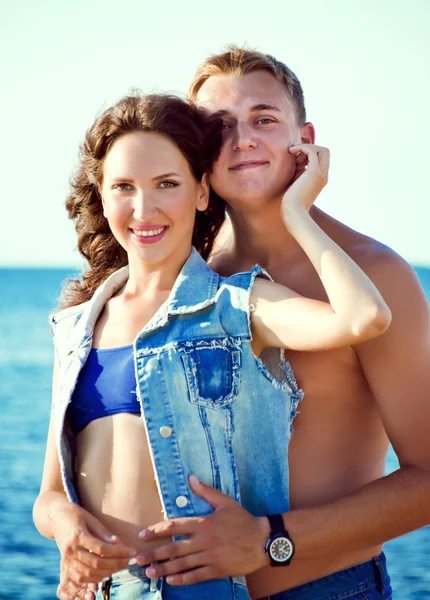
(384, 509)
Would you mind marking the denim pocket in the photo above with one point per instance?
(213, 375)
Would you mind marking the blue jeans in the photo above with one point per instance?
(365, 581)
(133, 584)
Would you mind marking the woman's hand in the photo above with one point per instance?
(89, 551)
(312, 165)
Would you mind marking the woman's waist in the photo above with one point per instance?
(126, 515)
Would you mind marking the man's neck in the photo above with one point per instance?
(261, 236)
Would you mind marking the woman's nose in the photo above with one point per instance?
(145, 207)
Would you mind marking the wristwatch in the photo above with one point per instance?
(280, 547)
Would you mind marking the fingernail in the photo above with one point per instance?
(132, 553)
(143, 533)
(132, 561)
(112, 538)
(194, 479)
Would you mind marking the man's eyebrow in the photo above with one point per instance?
(256, 108)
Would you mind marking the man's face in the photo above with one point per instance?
(254, 166)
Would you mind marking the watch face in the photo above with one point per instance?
(281, 549)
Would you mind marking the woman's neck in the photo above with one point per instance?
(153, 278)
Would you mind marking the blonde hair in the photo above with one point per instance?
(242, 61)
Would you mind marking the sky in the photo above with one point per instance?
(364, 67)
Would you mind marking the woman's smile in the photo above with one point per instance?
(149, 236)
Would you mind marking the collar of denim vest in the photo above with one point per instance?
(194, 289)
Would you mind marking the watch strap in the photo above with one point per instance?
(276, 524)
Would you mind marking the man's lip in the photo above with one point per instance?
(247, 164)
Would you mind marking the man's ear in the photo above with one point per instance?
(308, 133)
(203, 193)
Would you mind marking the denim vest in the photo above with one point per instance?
(210, 407)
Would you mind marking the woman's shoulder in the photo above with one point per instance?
(244, 279)
(70, 313)
(63, 322)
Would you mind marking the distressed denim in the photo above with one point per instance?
(209, 406)
(132, 584)
(365, 581)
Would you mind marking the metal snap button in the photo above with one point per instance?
(165, 431)
(181, 501)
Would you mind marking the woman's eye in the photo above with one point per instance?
(226, 126)
(168, 184)
(122, 187)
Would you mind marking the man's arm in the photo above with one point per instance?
(396, 366)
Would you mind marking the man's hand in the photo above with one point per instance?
(227, 543)
(89, 552)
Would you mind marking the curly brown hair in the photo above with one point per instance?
(198, 137)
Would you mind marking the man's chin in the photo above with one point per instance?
(247, 200)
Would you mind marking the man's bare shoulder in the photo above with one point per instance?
(373, 256)
(398, 284)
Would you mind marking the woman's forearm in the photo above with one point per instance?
(351, 293)
(44, 507)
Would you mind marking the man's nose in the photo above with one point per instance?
(243, 137)
(145, 206)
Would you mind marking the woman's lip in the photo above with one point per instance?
(148, 239)
(148, 227)
(248, 165)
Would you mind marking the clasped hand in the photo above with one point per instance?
(226, 543)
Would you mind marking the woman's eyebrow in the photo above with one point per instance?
(172, 174)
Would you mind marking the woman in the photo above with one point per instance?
(159, 371)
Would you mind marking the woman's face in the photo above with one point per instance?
(150, 197)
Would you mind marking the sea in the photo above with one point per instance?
(29, 563)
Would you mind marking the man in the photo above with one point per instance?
(357, 400)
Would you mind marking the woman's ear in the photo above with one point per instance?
(203, 193)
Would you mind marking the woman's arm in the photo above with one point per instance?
(355, 312)
(89, 552)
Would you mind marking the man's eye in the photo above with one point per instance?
(265, 120)
(168, 184)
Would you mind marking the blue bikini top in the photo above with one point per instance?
(106, 386)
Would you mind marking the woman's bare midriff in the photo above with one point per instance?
(115, 477)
